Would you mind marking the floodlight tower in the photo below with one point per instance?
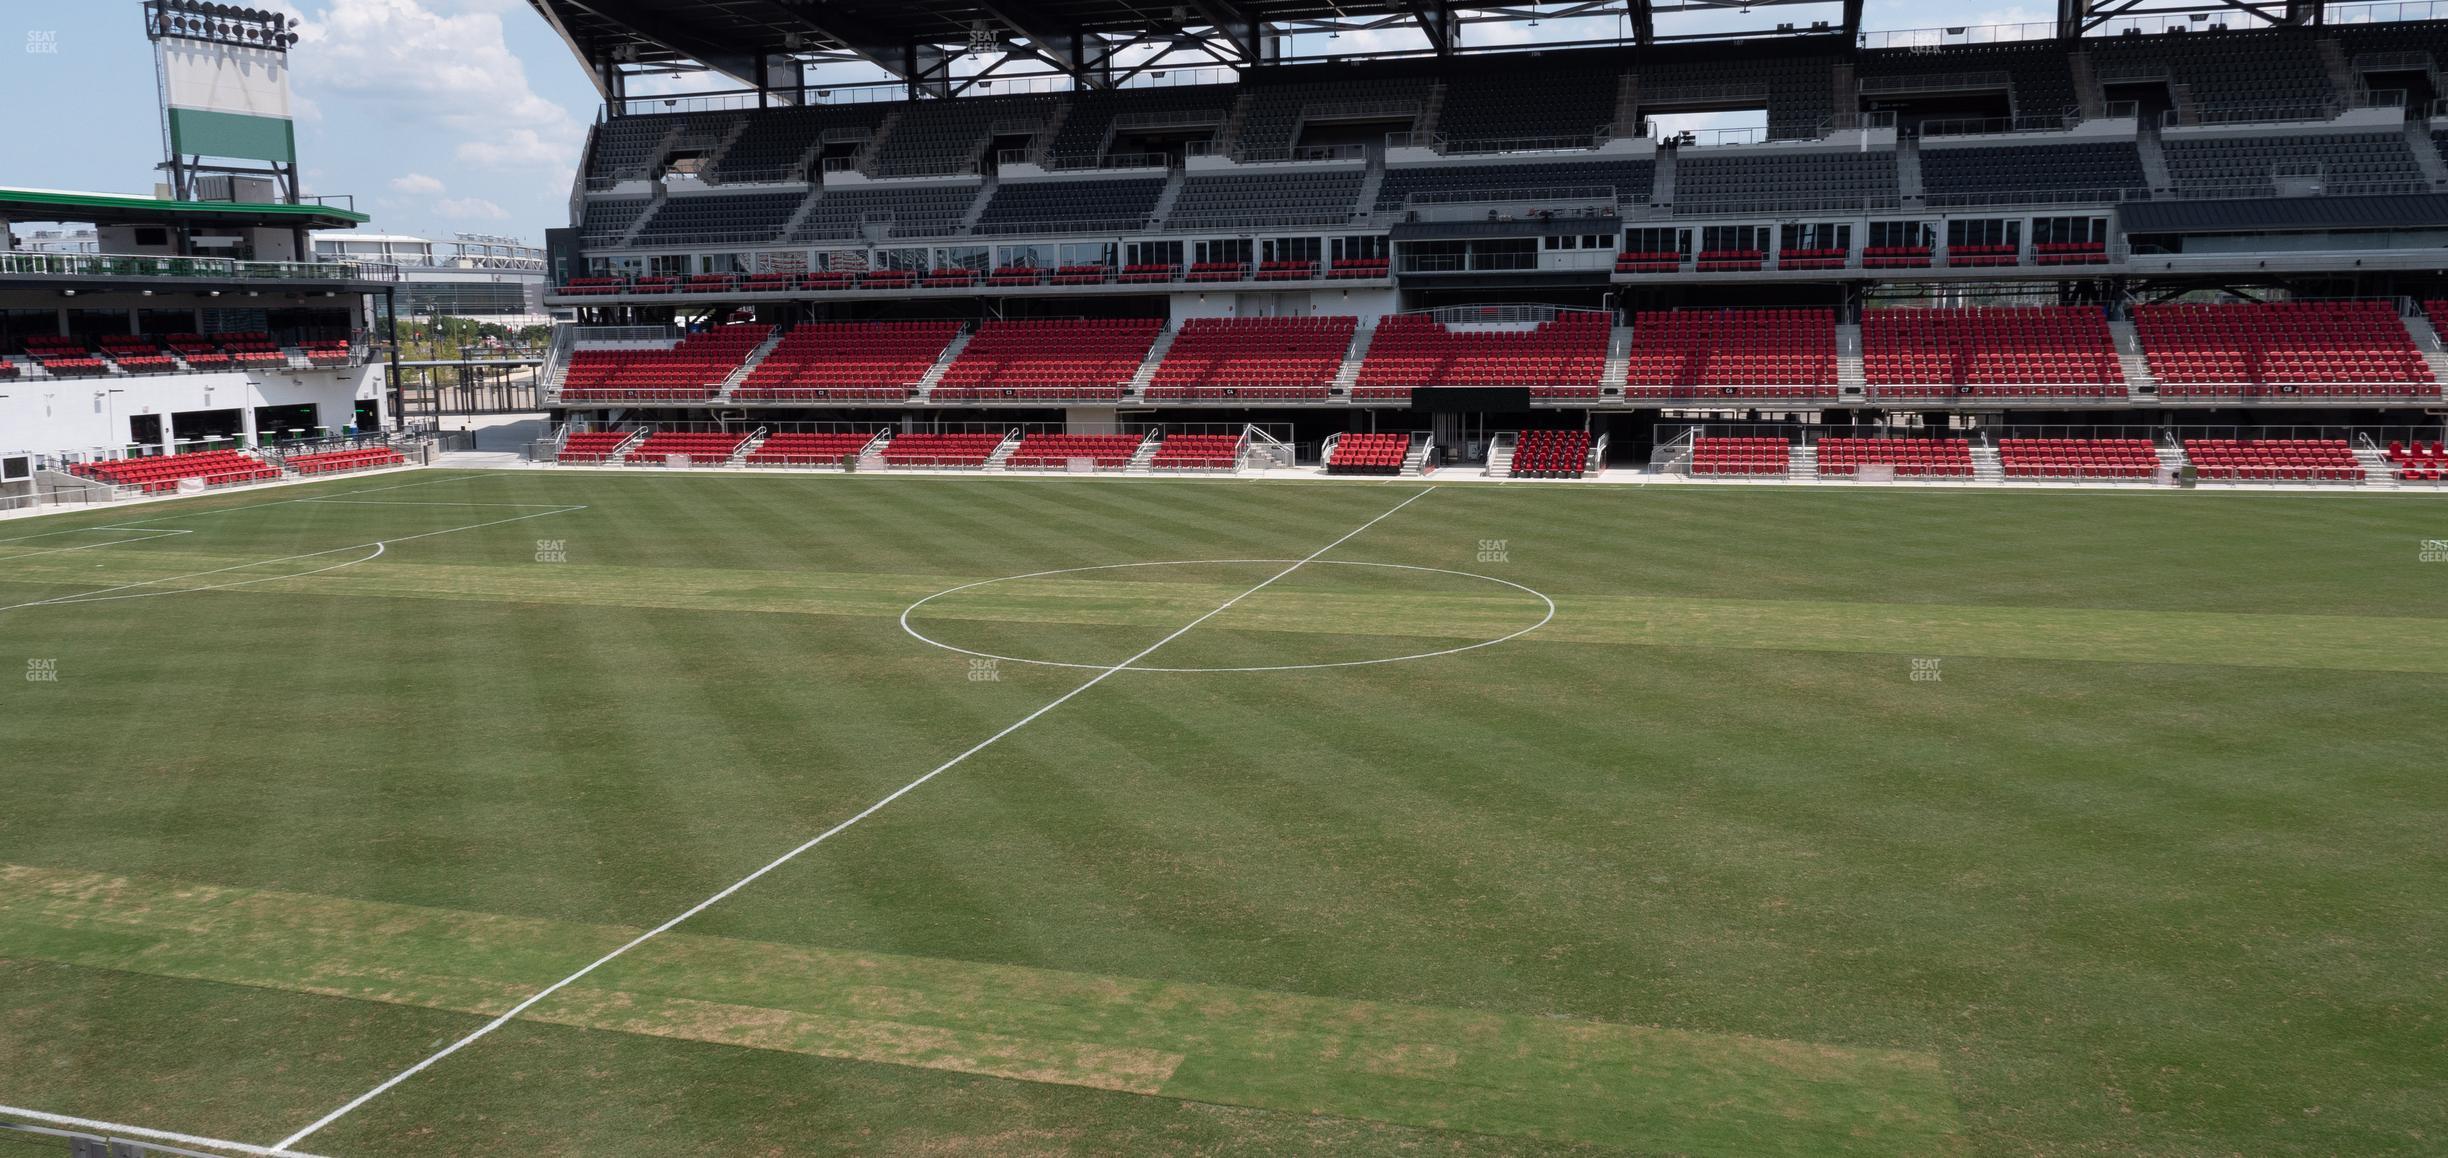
(222, 72)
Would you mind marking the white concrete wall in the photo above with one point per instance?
(48, 415)
(1368, 303)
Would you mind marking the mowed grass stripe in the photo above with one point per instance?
(2406, 643)
(1475, 1071)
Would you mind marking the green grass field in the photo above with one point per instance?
(2151, 858)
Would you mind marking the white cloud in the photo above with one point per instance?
(455, 70)
(470, 209)
(417, 184)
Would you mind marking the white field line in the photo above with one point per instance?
(161, 533)
(139, 1132)
(512, 1013)
(107, 594)
(141, 524)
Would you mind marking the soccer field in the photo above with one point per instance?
(1233, 818)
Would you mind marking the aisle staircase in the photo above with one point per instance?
(1803, 465)
(934, 375)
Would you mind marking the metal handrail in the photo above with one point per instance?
(1933, 82)
(137, 265)
(1123, 224)
(1592, 193)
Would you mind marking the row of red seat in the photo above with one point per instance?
(336, 461)
(1369, 454)
(865, 360)
(1767, 457)
(699, 446)
(162, 474)
(2273, 460)
(2077, 458)
(1938, 352)
(933, 449)
(827, 448)
(1551, 454)
(692, 370)
(2417, 462)
(1057, 451)
(1911, 457)
(1064, 359)
(1681, 351)
(1563, 357)
(1197, 452)
(1274, 358)
(2316, 348)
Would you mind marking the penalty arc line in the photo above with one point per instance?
(106, 594)
(511, 1014)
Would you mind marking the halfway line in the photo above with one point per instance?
(512, 1013)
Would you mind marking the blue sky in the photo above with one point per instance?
(441, 115)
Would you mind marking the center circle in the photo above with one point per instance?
(1546, 610)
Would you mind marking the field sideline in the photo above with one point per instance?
(1780, 821)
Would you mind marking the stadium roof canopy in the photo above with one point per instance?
(140, 209)
(764, 43)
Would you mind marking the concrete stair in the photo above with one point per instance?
(1003, 452)
(2154, 158)
(2378, 472)
(977, 207)
(1147, 369)
(1618, 361)
(1415, 461)
(2087, 94)
(749, 365)
(1851, 378)
(1803, 466)
(1344, 378)
(1627, 123)
(1908, 169)
(1985, 465)
(2139, 381)
(1146, 454)
(2426, 155)
(740, 457)
(935, 373)
(1165, 200)
(2341, 74)
(1662, 183)
(1500, 459)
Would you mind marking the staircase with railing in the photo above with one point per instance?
(1003, 450)
(1500, 454)
(1148, 367)
(934, 375)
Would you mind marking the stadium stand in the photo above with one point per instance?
(338, 461)
(2044, 351)
(1090, 359)
(2302, 348)
(2282, 460)
(592, 445)
(1762, 353)
(779, 144)
(840, 360)
(1275, 112)
(809, 449)
(1911, 457)
(1564, 101)
(743, 218)
(1058, 451)
(143, 353)
(1075, 205)
(2419, 462)
(2077, 458)
(901, 209)
(2033, 76)
(699, 446)
(1201, 452)
(1631, 180)
(2091, 170)
(940, 137)
(1559, 358)
(941, 450)
(608, 220)
(1722, 180)
(163, 474)
(1551, 454)
(2276, 72)
(1768, 457)
(692, 370)
(1291, 197)
(1264, 358)
(1097, 117)
(1369, 454)
(2246, 166)
(65, 357)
